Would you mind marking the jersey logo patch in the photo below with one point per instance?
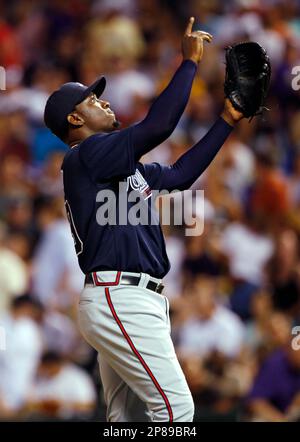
(137, 182)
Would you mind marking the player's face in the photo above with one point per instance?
(97, 114)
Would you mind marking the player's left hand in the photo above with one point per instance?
(230, 114)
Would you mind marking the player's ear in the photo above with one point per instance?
(75, 119)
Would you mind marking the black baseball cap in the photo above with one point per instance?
(63, 101)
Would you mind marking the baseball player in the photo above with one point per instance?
(122, 311)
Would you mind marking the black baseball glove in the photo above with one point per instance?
(247, 79)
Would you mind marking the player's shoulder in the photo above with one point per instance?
(104, 143)
(73, 153)
(101, 138)
(101, 156)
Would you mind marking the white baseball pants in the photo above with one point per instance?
(129, 327)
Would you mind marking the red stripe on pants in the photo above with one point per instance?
(135, 351)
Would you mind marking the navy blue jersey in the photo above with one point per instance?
(100, 163)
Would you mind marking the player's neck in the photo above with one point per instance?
(76, 137)
(74, 143)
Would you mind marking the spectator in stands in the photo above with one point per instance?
(275, 394)
(56, 277)
(13, 270)
(248, 275)
(18, 363)
(283, 273)
(269, 197)
(61, 390)
(211, 326)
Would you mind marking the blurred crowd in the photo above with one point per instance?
(234, 291)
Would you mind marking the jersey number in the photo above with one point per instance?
(77, 241)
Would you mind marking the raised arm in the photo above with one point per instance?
(192, 163)
(168, 107)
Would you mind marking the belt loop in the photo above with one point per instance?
(144, 279)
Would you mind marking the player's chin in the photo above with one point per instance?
(112, 124)
(116, 124)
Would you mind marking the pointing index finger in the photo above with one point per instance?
(189, 26)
